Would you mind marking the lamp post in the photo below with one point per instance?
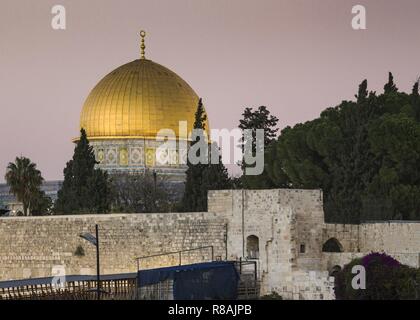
(95, 241)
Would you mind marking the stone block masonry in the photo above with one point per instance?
(282, 230)
(400, 239)
(33, 246)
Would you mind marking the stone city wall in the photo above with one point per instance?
(287, 224)
(35, 246)
(307, 285)
(400, 239)
(282, 230)
(346, 234)
(392, 236)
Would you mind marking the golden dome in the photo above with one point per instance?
(137, 100)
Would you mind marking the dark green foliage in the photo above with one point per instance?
(200, 116)
(215, 177)
(85, 189)
(415, 91)
(42, 204)
(260, 119)
(25, 181)
(386, 279)
(390, 86)
(364, 155)
(195, 197)
(363, 92)
(253, 120)
(139, 193)
(202, 177)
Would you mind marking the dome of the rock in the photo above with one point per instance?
(125, 111)
(136, 100)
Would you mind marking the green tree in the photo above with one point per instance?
(390, 86)
(215, 175)
(253, 120)
(363, 92)
(42, 204)
(364, 155)
(261, 118)
(24, 180)
(415, 91)
(415, 101)
(138, 193)
(202, 177)
(85, 189)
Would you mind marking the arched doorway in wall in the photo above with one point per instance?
(332, 245)
(252, 247)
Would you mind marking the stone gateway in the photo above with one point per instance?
(283, 230)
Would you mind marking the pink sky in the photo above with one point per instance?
(297, 57)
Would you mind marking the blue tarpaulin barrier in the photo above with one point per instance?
(201, 281)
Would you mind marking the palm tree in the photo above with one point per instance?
(24, 180)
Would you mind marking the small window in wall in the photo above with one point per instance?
(332, 245)
(302, 248)
(252, 247)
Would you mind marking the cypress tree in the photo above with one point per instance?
(415, 91)
(390, 86)
(85, 189)
(363, 92)
(202, 177)
(415, 100)
(216, 176)
(194, 197)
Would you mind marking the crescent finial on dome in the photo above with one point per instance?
(142, 46)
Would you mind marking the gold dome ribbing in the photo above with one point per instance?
(137, 100)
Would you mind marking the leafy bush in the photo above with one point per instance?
(386, 279)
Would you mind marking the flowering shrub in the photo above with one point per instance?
(386, 279)
(379, 258)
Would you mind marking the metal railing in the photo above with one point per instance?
(249, 283)
(179, 253)
(113, 289)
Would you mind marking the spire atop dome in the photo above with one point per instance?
(142, 46)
